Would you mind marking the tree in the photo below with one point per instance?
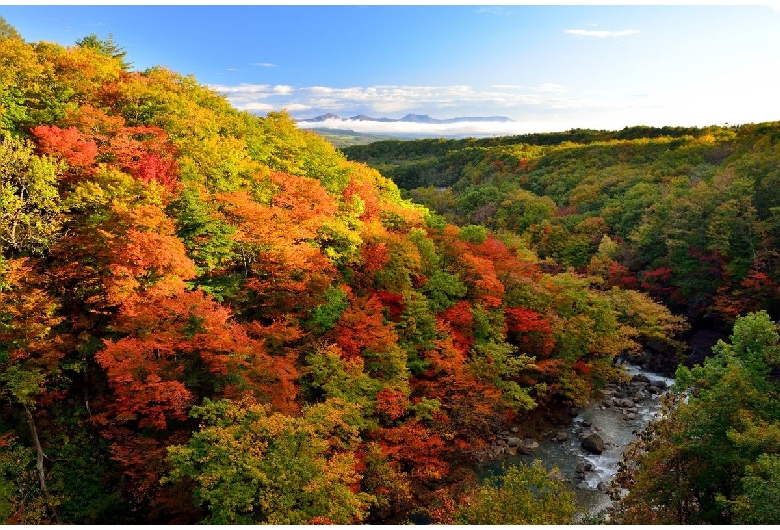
(521, 209)
(757, 504)
(522, 495)
(31, 213)
(30, 355)
(250, 466)
(278, 239)
(718, 438)
(105, 47)
(21, 499)
(7, 31)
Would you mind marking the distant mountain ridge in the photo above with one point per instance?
(409, 118)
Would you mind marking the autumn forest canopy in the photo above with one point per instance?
(210, 316)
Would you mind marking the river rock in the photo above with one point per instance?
(531, 443)
(584, 467)
(593, 444)
(602, 487)
(513, 441)
(562, 436)
(631, 416)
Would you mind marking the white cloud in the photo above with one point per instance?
(601, 34)
(264, 65)
(241, 89)
(283, 89)
(396, 100)
(246, 91)
(297, 106)
(493, 10)
(480, 128)
(544, 107)
(550, 87)
(261, 107)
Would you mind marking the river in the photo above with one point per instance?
(615, 425)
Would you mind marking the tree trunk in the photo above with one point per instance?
(39, 462)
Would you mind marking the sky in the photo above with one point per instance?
(548, 68)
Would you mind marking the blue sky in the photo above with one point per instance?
(546, 67)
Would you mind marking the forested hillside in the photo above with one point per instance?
(690, 217)
(206, 316)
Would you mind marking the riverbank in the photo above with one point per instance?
(585, 445)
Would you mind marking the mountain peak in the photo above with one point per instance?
(328, 116)
(409, 118)
(419, 118)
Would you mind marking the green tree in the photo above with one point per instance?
(250, 466)
(21, 500)
(31, 213)
(443, 290)
(717, 441)
(521, 209)
(105, 47)
(523, 495)
(7, 31)
(325, 315)
(757, 504)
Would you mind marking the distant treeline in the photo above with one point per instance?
(438, 161)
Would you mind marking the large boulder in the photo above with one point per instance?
(593, 444)
(584, 467)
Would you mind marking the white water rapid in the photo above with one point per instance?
(625, 410)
